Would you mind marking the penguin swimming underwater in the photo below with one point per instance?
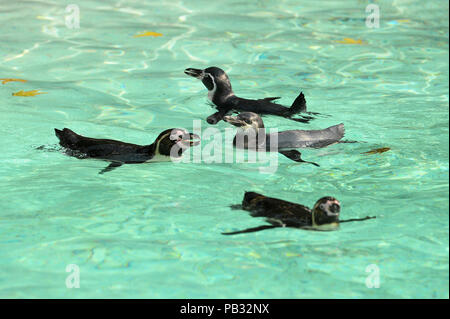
(170, 143)
(222, 95)
(252, 135)
(280, 213)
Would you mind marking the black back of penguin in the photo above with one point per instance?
(276, 210)
(102, 148)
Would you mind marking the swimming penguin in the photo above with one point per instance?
(252, 135)
(222, 95)
(280, 213)
(170, 143)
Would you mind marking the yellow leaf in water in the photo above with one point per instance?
(44, 18)
(4, 81)
(28, 93)
(254, 254)
(148, 34)
(290, 254)
(350, 41)
(377, 150)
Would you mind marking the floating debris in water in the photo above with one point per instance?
(4, 81)
(28, 93)
(378, 150)
(350, 41)
(148, 34)
(394, 22)
(254, 254)
(291, 254)
(45, 18)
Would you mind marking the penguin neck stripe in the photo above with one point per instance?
(159, 141)
(313, 223)
(213, 91)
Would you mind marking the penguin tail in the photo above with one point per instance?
(339, 130)
(66, 137)
(248, 197)
(299, 105)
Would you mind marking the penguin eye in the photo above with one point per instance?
(322, 206)
(247, 121)
(176, 137)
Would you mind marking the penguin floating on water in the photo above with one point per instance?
(279, 213)
(221, 94)
(170, 143)
(251, 134)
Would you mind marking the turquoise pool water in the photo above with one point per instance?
(154, 230)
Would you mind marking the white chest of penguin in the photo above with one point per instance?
(159, 158)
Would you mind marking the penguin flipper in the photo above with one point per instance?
(110, 167)
(295, 156)
(357, 219)
(216, 117)
(317, 113)
(251, 230)
(300, 120)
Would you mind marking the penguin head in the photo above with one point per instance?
(245, 121)
(326, 211)
(173, 142)
(215, 80)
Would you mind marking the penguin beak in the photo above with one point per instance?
(193, 140)
(196, 73)
(333, 208)
(234, 121)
